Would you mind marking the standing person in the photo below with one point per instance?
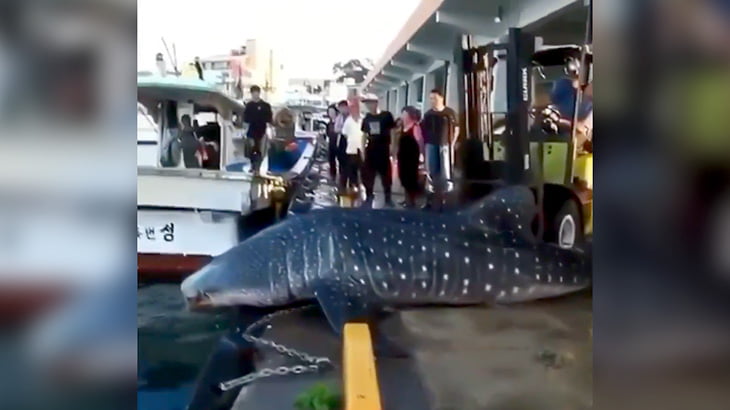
(352, 131)
(440, 132)
(198, 68)
(191, 146)
(563, 97)
(333, 138)
(377, 126)
(409, 142)
(160, 64)
(257, 115)
(342, 113)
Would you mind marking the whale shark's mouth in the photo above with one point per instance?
(206, 301)
(195, 297)
(202, 301)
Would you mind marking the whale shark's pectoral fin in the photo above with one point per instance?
(508, 211)
(342, 304)
(339, 305)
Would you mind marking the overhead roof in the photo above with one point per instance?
(433, 33)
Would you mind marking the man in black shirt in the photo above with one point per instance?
(257, 115)
(377, 126)
(440, 132)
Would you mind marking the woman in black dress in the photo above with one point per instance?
(409, 153)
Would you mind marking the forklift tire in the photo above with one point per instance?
(566, 229)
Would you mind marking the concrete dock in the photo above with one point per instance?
(531, 356)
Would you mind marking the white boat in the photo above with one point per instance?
(186, 216)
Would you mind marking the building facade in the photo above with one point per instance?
(326, 90)
(234, 73)
(267, 70)
(227, 71)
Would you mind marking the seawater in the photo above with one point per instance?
(173, 346)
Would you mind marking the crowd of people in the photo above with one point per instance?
(363, 148)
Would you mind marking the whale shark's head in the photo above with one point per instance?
(250, 274)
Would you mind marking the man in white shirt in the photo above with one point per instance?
(352, 131)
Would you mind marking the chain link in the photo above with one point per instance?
(312, 364)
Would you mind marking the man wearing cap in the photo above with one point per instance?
(377, 126)
(353, 135)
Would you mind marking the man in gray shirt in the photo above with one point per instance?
(440, 133)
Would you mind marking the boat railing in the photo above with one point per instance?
(210, 174)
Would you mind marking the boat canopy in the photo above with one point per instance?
(206, 97)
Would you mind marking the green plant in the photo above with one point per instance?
(319, 397)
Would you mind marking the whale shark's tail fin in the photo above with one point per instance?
(509, 211)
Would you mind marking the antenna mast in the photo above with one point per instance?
(172, 60)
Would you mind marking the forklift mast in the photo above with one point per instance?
(479, 63)
(520, 48)
(523, 153)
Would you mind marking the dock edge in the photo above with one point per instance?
(360, 376)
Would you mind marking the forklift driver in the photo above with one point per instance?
(563, 97)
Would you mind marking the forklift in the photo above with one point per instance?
(518, 138)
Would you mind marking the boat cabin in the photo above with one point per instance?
(216, 121)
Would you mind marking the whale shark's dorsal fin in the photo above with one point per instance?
(508, 211)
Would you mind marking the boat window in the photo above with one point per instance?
(144, 120)
(148, 134)
(170, 147)
(208, 128)
(220, 65)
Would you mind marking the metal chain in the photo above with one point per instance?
(312, 364)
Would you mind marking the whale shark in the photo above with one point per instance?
(357, 262)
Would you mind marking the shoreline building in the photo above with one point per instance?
(227, 71)
(317, 91)
(234, 73)
(267, 71)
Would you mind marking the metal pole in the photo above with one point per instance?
(519, 58)
(466, 47)
(408, 89)
(584, 75)
(447, 70)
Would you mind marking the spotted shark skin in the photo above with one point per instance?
(356, 261)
